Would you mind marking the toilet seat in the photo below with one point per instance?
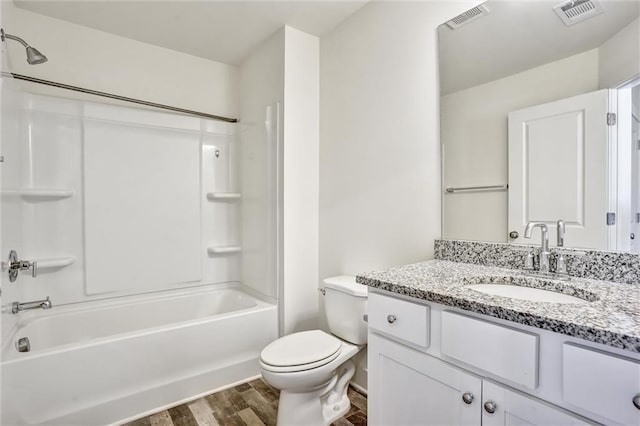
(300, 351)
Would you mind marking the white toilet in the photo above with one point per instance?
(312, 369)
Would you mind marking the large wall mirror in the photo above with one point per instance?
(540, 111)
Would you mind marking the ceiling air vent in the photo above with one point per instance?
(572, 12)
(468, 16)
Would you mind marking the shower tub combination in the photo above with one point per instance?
(161, 269)
(163, 287)
(110, 361)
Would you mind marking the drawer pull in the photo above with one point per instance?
(467, 397)
(636, 401)
(391, 319)
(490, 407)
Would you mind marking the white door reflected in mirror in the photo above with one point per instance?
(556, 168)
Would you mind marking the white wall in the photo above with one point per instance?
(300, 180)
(379, 146)
(620, 56)
(100, 61)
(474, 137)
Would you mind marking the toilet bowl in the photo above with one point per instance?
(313, 368)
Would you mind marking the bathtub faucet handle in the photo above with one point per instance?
(25, 265)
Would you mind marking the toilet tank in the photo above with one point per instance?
(345, 303)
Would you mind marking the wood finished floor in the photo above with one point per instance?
(251, 404)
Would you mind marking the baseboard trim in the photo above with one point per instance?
(359, 388)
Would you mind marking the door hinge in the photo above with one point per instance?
(611, 218)
(637, 217)
(611, 119)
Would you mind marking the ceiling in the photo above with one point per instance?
(519, 35)
(224, 31)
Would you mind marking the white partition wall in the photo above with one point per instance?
(260, 140)
(301, 164)
(279, 138)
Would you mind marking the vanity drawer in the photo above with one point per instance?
(506, 352)
(601, 383)
(399, 318)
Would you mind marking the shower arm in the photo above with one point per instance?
(4, 36)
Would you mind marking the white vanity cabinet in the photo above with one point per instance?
(448, 374)
(407, 387)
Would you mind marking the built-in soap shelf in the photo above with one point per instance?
(223, 196)
(55, 262)
(39, 194)
(217, 250)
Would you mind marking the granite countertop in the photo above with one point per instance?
(610, 314)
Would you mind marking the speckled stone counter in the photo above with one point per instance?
(613, 266)
(610, 314)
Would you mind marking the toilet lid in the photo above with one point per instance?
(299, 349)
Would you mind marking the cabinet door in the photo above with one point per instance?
(515, 409)
(407, 387)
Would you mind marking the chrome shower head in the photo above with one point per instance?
(34, 56)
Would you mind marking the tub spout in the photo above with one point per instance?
(27, 306)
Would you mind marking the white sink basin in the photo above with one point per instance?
(525, 293)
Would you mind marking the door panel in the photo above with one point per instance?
(408, 387)
(557, 168)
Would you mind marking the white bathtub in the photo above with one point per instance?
(110, 361)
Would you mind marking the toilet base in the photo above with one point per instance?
(317, 407)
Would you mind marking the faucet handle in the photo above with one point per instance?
(26, 265)
(560, 233)
(14, 265)
(561, 264)
(528, 261)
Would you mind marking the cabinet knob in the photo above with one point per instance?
(391, 319)
(636, 401)
(467, 397)
(490, 407)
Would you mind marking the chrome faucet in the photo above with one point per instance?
(544, 251)
(27, 306)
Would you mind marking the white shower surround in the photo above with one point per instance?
(135, 216)
(109, 361)
(108, 354)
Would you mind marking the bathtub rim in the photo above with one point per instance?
(261, 305)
